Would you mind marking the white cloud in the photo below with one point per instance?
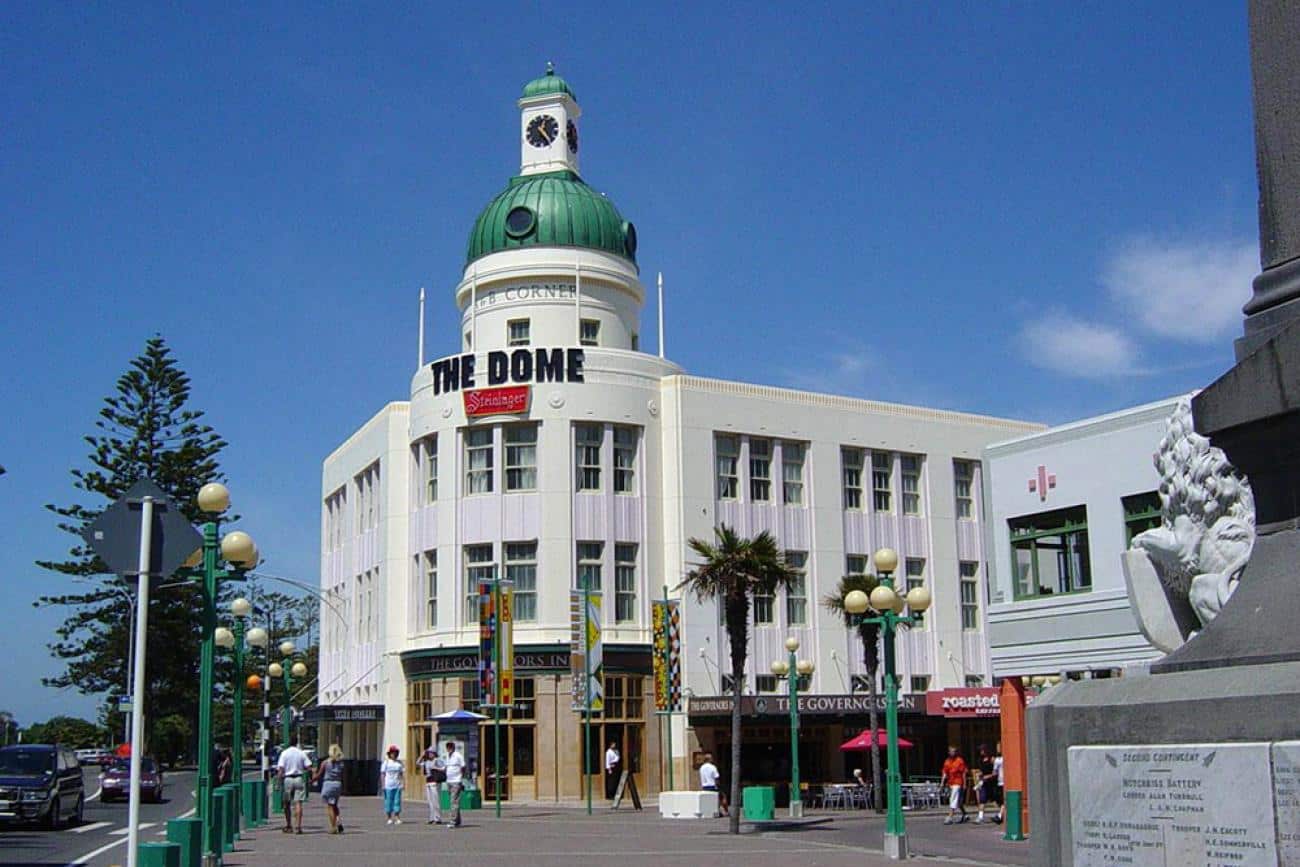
(1069, 345)
(1182, 289)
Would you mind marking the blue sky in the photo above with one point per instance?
(1043, 211)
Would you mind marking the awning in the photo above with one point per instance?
(459, 715)
(344, 713)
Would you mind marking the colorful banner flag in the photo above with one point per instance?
(585, 652)
(666, 619)
(487, 628)
(506, 641)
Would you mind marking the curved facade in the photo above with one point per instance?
(550, 450)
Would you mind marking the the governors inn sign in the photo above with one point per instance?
(809, 705)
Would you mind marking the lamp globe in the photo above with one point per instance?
(287, 648)
(886, 560)
(214, 498)
(856, 602)
(805, 667)
(275, 669)
(792, 644)
(224, 637)
(919, 599)
(237, 547)
(241, 607)
(299, 669)
(257, 637)
(780, 668)
(882, 598)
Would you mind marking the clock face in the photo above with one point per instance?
(571, 133)
(542, 131)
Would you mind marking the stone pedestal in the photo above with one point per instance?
(1258, 704)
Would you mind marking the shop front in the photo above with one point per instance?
(971, 718)
(357, 729)
(542, 737)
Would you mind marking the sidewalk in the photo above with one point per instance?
(535, 836)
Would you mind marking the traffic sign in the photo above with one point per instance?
(115, 534)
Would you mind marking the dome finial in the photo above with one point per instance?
(550, 68)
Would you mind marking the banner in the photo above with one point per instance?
(487, 627)
(506, 638)
(585, 651)
(665, 616)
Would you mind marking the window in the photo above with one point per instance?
(478, 567)
(855, 564)
(970, 594)
(727, 447)
(624, 583)
(591, 556)
(764, 609)
(882, 467)
(963, 480)
(1049, 553)
(1141, 513)
(974, 680)
(478, 461)
(760, 470)
(588, 438)
(521, 457)
(469, 694)
(521, 568)
(796, 595)
(862, 683)
(589, 333)
(851, 462)
(728, 684)
(525, 700)
(792, 473)
(517, 332)
(431, 589)
(430, 469)
(920, 683)
(625, 460)
(766, 682)
(469, 340)
(910, 466)
(636, 342)
(913, 573)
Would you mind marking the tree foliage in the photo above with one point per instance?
(144, 430)
(733, 570)
(869, 633)
(66, 730)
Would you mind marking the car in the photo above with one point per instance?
(116, 781)
(41, 783)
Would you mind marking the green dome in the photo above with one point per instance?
(555, 209)
(548, 83)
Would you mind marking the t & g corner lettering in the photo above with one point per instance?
(517, 366)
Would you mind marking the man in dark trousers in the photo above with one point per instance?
(613, 767)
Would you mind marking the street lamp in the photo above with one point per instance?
(286, 672)
(889, 605)
(792, 671)
(239, 552)
(240, 608)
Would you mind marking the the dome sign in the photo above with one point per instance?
(517, 366)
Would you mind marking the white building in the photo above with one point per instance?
(1063, 505)
(551, 450)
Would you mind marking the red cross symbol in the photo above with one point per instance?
(1042, 483)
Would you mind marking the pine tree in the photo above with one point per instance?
(145, 430)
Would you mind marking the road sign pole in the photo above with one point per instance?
(137, 705)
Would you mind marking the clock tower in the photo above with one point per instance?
(548, 126)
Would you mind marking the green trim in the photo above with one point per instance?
(548, 84)
(1064, 523)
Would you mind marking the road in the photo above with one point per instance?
(100, 840)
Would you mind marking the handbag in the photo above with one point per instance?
(436, 775)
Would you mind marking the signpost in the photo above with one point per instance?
(496, 662)
(163, 540)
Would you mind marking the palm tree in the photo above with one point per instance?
(734, 570)
(870, 635)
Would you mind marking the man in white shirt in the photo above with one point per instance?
(612, 762)
(292, 767)
(709, 781)
(454, 765)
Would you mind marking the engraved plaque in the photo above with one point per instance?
(1286, 800)
(1173, 804)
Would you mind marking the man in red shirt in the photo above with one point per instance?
(954, 777)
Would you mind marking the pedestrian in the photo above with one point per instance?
(392, 776)
(453, 764)
(863, 787)
(954, 777)
(1002, 791)
(987, 788)
(435, 774)
(612, 762)
(709, 779)
(292, 766)
(331, 771)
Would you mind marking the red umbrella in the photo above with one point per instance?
(863, 741)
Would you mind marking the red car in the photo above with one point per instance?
(116, 781)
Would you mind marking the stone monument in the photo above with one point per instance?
(1198, 762)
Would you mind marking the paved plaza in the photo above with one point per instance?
(540, 836)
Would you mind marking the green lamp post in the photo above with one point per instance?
(792, 671)
(237, 550)
(889, 605)
(234, 639)
(285, 672)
